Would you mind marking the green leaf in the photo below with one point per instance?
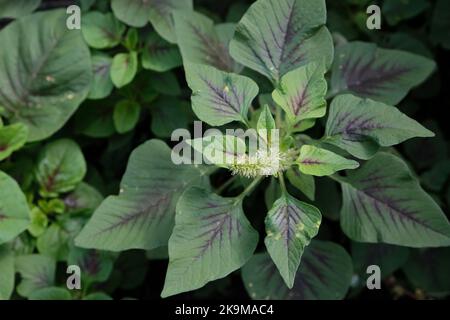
(142, 215)
(123, 68)
(14, 212)
(54, 243)
(328, 197)
(50, 293)
(219, 97)
(12, 138)
(61, 166)
(301, 93)
(132, 12)
(321, 162)
(43, 79)
(36, 271)
(275, 37)
(265, 120)
(169, 114)
(428, 271)
(101, 84)
(379, 74)
(6, 273)
(440, 23)
(165, 83)
(101, 30)
(383, 202)
(303, 182)
(126, 115)
(202, 42)
(17, 9)
(324, 274)
(212, 238)
(95, 120)
(96, 266)
(396, 11)
(290, 226)
(83, 198)
(159, 55)
(362, 126)
(97, 296)
(39, 222)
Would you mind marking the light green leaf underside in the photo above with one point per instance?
(212, 238)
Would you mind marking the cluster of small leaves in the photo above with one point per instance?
(291, 65)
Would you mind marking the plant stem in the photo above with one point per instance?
(226, 184)
(248, 190)
(282, 183)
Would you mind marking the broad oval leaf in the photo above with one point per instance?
(123, 68)
(101, 30)
(7, 272)
(14, 211)
(380, 74)
(290, 226)
(160, 55)
(96, 266)
(202, 42)
(212, 238)
(12, 138)
(219, 97)
(361, 126)
(102, 85)
(142, 215)
(277, 36)
(325, 273)
(383, 202)
(301, 93)
(36, 271)
(51, 293)
(61, 166)
(126, 115)
(43, 79)
(321, 162)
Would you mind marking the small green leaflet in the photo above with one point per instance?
(160, 55)
(6, 272)
(101, 31)
(14, 212)
(361, 126)
(212, 238)
(96, 265)
(12, 138)
(142, 215)
(325, 273)
(37, 272)
(395, 11)
(383, 202)
(50, 293)
(301, 93)
(123, 68)
(41, 85)
(126, 115)
(321, 162)
(102, 85)
(202, 42)
(219, 97)
(277, 36)
(61, 166)
(265, 120)
(303, 182)
(290, 226)
(379, 74)
(54, 243)
(169, 114)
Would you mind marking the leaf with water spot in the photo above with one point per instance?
(379, 74)
(383, 202)
(290, 226)
(212, 238)
(43, 79)
(325, 273)
(301, 93)
(361, 126)
(321, 162)
(219, 97)
(277, 36)
(202, 42)
(142, 215)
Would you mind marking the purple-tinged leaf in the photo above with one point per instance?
(202, 42)
(160, 55)
(325, 273)
(361, 126)
(37, 272)
(212, 238)
(142, 215)
(380, 74)
(383, 202)
(219, 97)
(277, 36)
(290, 226)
